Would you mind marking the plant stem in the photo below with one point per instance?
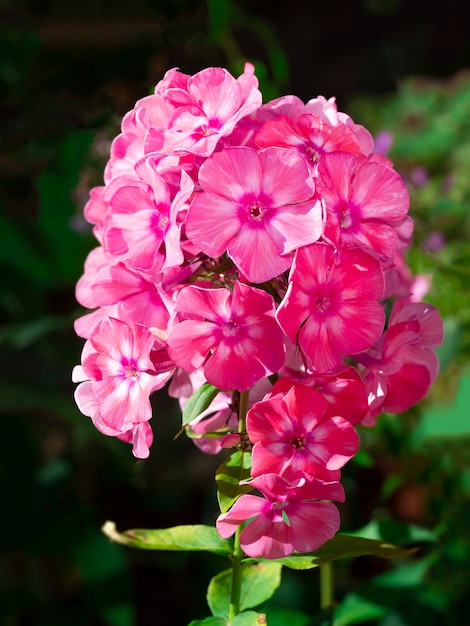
(326, 585)
(243, 411)
(234, 608)
(237, 557)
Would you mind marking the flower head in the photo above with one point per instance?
(287, 517)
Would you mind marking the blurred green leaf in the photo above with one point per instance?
(450, 420)
(395, 532)
(354, 608)
(283, 616)
(373, 599)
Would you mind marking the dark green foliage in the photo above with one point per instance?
(68, 72)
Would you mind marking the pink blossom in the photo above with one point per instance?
(233, 335)
(402, 366)
(323, 109)
(117, 376)
(129, 147)
(331, 308)
(365, 201)
(122, 292)
(293, 434)
(211, 103)
(143, 228)
(344, 389)
(290, 517)
(308, 134)
(257, 206)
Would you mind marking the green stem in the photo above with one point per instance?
(237, 557)
(243, 411)
(326, 585)
(234, 608)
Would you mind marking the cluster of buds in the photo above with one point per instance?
(259, 248)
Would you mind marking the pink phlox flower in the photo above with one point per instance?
(402, 366)
(320, 107)
(289, 517)
(141, 439)
(134, 296)
(365, 202)
(143, 227)
(119, 375)
(290, 105)
(233, 335)
(215, 102)
(293, 433)
(331, 308)
(328, 111)
(430, 324)
(95, 211)
(257, 206)
(309, 135)
(128, 147)
(344, 389)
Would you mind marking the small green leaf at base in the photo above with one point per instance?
(196, 537)
(259, 582)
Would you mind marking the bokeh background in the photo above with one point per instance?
(68, 72)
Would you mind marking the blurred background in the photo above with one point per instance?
(68, 73)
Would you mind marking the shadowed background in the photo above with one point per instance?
(68, 73)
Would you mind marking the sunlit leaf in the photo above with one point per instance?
(199, 402)
(228, 476)
(187, 538)
(259, 582)
(342, 547)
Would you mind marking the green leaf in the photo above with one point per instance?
(347, 546)
(354, 609)
(199, 402)
(209, 621)
(228, 476)
(342, 547)
(447, 420)
(249, 618)
(374, 599)
(259, 582)
(188, 538)
(392, 531)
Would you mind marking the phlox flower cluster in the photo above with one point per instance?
(259, 248)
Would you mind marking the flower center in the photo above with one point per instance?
(230, 329)
(131, 372)
(312, 153)
(256, 211)
(345, 219)
(298, 442)
(323, 304)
